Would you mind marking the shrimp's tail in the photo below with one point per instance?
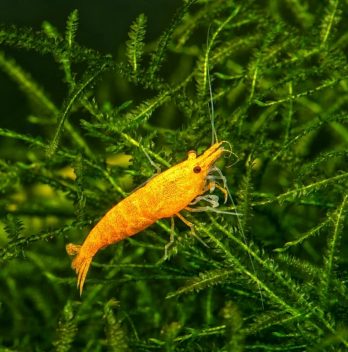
(80, 263)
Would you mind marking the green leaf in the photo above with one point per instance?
(71, 28)
(13, 226)
(135, 44)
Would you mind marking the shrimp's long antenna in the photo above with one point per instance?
(240, 226)
(245, 241)
(214, 137)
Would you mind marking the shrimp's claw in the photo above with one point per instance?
(80, 264)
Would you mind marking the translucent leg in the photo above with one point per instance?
(224, 181)
(214, 210)
(192, 230)
(220, 176)
(213, 184)
(171, 240)
(210, 198)
(166, 254)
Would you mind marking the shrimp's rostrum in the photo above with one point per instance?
(163, 196)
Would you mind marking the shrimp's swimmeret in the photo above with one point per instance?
(163, 196)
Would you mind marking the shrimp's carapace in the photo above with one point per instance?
(164, 195)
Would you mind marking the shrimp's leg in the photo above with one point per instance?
(191, 226)
(212, 185)
(171, 240)
(221, 177)
(223, 190)
(169, 244)
(185, 221)
(213, 209)
(210, 198)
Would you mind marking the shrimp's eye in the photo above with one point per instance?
(197, 169)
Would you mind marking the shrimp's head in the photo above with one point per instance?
(183, 182)
(201, 164)
(191, 174)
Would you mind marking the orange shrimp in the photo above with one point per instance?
(163, 196)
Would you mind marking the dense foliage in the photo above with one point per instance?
(272, 278)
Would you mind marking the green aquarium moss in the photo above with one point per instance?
(268, 272)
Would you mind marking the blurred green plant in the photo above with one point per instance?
(273, 278)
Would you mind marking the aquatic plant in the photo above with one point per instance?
(272, 278)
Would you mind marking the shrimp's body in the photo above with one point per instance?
(163, 196)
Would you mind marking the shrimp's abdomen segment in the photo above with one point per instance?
(125, 219)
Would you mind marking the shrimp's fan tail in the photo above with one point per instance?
(80, 264)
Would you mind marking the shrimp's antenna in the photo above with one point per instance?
(214, 137)
(245, 241)
(240, 226)
(230, 152)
